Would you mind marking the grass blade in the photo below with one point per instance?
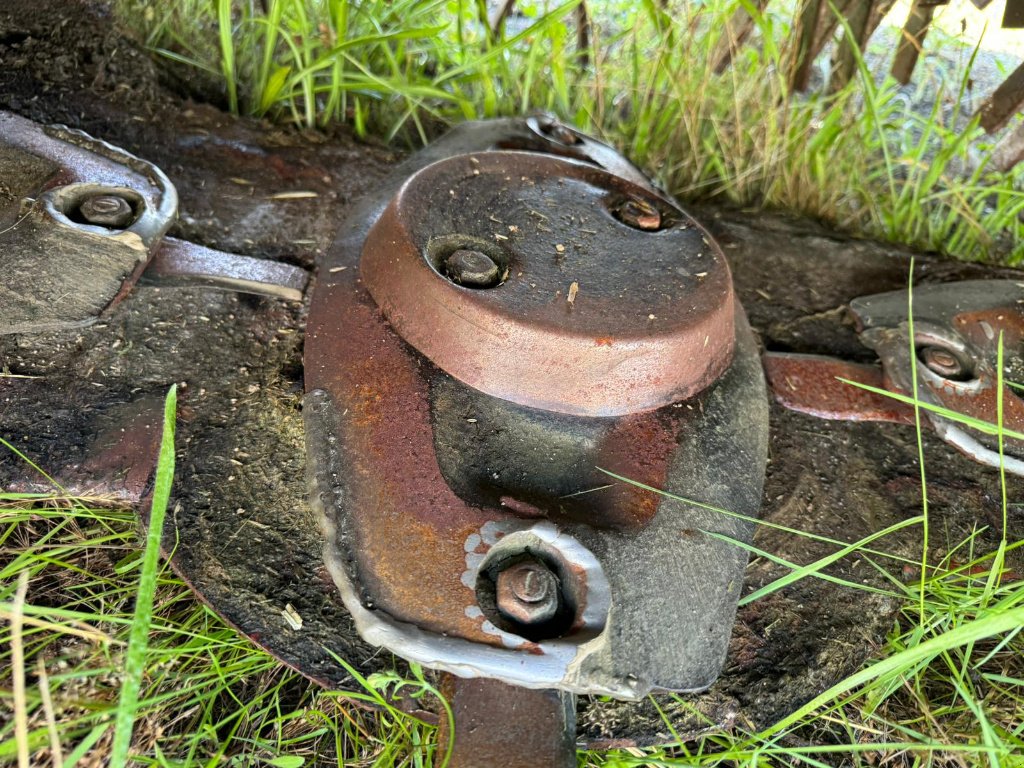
(135, 660)
(971, 632)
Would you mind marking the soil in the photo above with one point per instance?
(237, 359)
(243, 533)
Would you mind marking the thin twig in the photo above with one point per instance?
(79, 628)
(18, 671)
(57, 754)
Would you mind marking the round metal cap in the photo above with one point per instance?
(590, 316)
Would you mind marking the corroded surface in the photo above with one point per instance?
(240, 491)
(424, 483)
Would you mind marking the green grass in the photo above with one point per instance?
(948, 688)
(138, 638)
(862, 160)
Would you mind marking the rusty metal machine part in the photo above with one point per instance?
(537, 728)
(957, 330)
(546, 133)
(439, 483)
(639, 309)
(80, 222)
(492, 544)
(55, 182)
(253, 573)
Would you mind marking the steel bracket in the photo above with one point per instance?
(81, 221)
(509, 355)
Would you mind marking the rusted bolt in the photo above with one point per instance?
(555, 130)
(528, 593)
(106, 210)
(942, 362)
(639, 214)
(473, 269)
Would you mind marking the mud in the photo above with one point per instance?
(243, 533)
(237, 360)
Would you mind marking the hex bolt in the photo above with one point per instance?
(639, 214)
(528, 593)
(473, 269)
(553, 129)
(106, 210)
(942, 362)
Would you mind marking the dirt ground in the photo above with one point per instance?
(245, 535)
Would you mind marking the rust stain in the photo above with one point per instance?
(810, 384)
(639, 447)
(406, 529)
(408, 524)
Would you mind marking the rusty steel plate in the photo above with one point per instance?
(818, 386)
(241, 532)
(953, 355)
(605, 299)
(428, 487)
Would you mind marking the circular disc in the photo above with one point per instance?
(593, 314)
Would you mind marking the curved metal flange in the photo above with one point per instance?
(833, 479)
(65, 260)
(51, 173)
(407, 575)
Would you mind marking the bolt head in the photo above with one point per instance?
(107, 210)
(942, 362)
(473, 269)
(528, 593)
(639, 214)
(559, 132)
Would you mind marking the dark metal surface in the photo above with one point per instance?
(545, 133)
(424, 511)
(593, 317)
(528, 593)
(241, 532)
(957, 331)
(473, 269)
(504, 726)
(81, 219)
(111, 211)
(245, 539)
(118, 463)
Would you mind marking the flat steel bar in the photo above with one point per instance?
(179, 262)
(497, 724)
